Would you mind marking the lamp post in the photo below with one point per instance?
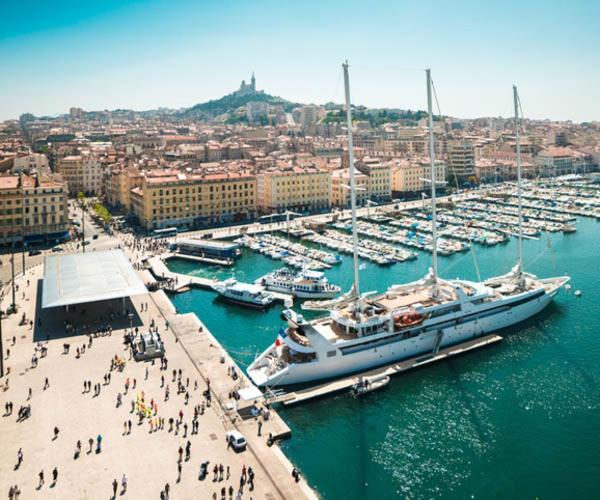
(13, 306)
(1, 346)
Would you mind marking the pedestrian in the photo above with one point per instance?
(99, 443)
(123, 484)
(259, 427)
(91, 443)
(179, 466)
(180, 453)
(46, 384)
(19, 457)
(228, 474)
(215, 473)
(188, 448)
(115, 485)
(129, 425)
(146, 376)
(56, 431)
(29, 394)
(221, 469)
(54, 475)
(167, 489)
(41, 481)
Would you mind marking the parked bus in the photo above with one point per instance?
(167, 232)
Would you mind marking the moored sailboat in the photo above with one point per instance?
(361, 333)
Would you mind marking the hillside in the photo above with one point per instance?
(230, 103)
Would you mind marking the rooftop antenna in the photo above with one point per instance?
(356, 287)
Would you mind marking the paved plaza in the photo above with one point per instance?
(148, 458)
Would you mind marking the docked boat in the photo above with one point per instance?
(245, 294)
(305, 285)
(407, 320)
(370, 384)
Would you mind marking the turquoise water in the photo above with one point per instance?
(519, 419)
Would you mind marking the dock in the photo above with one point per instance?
(390, 370)
(162, 272)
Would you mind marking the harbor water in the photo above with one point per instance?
(517, 420)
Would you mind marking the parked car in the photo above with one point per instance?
(57, 249)
(236, 440)
(34, 252)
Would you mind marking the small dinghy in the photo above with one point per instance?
(370, 384)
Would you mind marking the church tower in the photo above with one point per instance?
(253, 83)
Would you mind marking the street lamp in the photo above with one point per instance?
(1, 347)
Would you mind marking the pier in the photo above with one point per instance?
(346, 383)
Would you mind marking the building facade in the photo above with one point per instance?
(172, 199)
(301, 189)
(32, 211)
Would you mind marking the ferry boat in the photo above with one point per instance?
(305, 285)
(244, 294)
(418, 318)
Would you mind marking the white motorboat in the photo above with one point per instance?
(409, 319)
(305, 284)
(245, 294)
(370, 384)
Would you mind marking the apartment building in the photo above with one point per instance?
(118, 183)
(297, 188)
(461, 159)
(379, 178)
(32, 210)
(82, 173)
(408, 176)
(169, 198)
(340, 188)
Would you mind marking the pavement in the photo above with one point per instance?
(147, 458)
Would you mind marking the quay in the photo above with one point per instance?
(147, 456)
(346, 383)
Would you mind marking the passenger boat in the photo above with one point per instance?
(361, 333)
(305, 285)
(244, 294)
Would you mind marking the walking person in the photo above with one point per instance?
(123, 484)
(41, 481)
(54, 476)
(115, 485)
(99, 443)
(19, 458)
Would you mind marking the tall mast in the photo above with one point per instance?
(518, 140)
(433, 179)
(352, 182)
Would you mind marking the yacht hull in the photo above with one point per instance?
(343, 364)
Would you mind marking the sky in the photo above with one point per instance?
(147, 54)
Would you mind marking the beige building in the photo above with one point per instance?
(32, 210)
(379, 178)
(169, 198)
(409, 176)
(461, 159)
(340, 188)
(118, 185)
(301, 189)
(82, 173)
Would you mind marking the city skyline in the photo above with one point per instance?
(148, 55)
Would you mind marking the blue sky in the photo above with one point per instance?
(140, 55)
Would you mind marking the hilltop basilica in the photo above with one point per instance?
(247, 88)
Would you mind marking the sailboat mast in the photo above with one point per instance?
(433, 179)
(352, 182)
(518, 141)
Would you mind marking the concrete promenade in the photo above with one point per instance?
(148, 458)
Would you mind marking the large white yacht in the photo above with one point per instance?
(306, 284)
(408, 320)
